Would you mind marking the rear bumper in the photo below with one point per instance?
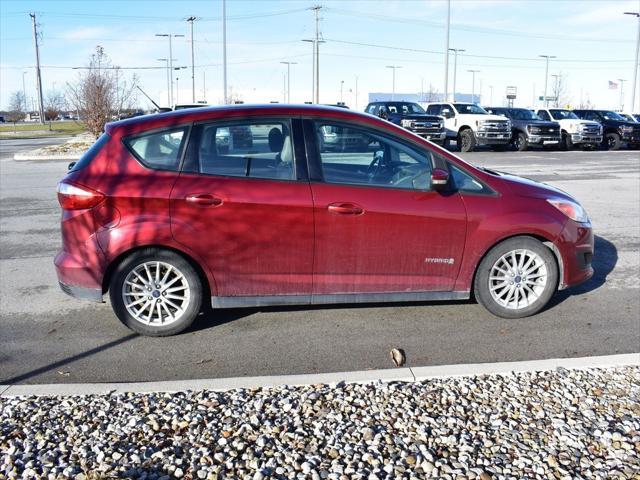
(78, 279)
(576, 247)
(82, 293)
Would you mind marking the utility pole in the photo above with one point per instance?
(393, 89)
(490, 95)
(224, 50)
(546, 77)
(169, 35)
(166, 60)
(356, 102)
(317, 9)
(204, 85)
(284, 88)
(446, 54)
(555, 89)
(473, 84)
(455, 68)
(288, 64)
(192, 19)
(341, 88)
(38, 74)
(24, 92)
(622, 80)
(635, 65)
(177, 91)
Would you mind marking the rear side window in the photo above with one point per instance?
(160, 150)
(90, 154)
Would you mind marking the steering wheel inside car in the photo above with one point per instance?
(375, 165)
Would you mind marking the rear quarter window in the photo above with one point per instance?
(159, 150)
(90, 154)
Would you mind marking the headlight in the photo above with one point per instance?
(573, 210)
(533, 129)
(508, 124)
(406, 123)
(626, 129)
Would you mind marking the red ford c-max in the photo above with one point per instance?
(279, 204)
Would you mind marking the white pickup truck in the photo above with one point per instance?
(574, 130)
(470, 125)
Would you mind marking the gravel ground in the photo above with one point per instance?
(569, 424)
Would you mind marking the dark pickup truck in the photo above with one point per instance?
(617, 130)
(411, 116)
(527, 128)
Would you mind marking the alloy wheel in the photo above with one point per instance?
(518, 279)
(156, 293)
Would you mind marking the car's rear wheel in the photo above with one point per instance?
(516, 278)
(156, 292)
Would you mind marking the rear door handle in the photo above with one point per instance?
(345, 209)
(204, 199)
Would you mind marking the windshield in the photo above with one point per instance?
(470, 108)
(563, 114)
(405, 108)
(524, 114)
(608, 115)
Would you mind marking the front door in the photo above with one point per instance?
(242, 207)
(380, 227)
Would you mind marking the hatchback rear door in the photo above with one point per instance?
(380, 227)
(244, 206)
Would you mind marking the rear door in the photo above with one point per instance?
(243, 205)
(380, 227)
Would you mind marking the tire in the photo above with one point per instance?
(466, 141)
(612, 141)
(565, 142)
(176, 272)
(485, 280)
(520, 142)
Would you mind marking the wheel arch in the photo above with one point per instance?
(544, 240)
(106, 279)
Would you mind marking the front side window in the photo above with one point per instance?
(469, 108)
(433, 109)
(609, 115)
(464, 182)
(371, 109)
(159, 150)
(359, 156)
(247, 149)
(563, 114)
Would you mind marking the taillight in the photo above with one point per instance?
(75, 197)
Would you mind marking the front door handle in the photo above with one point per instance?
(345, 209)
(204, 199)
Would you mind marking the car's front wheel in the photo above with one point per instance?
(466, 141)
(156, 292)
(612, 141)
(516, 278)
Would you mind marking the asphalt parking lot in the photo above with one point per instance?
(47, 337)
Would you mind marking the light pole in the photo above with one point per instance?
(169, 35)
(446, 54)
(393, 84)
(555, 89)
(177, 91)
(635, 65)
(473, 84)
(24, 92)
(356, 99)
(546, 76)
(455, 68)
(224, 50)
(192, 19)
(341, 88)
(288, 64)
(490, 95)
(166, 60)
(621, 80)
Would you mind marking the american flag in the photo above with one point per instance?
(613, 85)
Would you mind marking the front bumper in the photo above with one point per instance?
(633, 138)
(492, 138)
(581, 138)
(576, 248)
(433, 137)
(542, 140)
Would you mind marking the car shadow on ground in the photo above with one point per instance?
(604, 261)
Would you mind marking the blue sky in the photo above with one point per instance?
(592, 40)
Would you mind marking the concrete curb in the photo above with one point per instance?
(66, 158)
(412, 374)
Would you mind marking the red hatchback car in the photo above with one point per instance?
(168, 211)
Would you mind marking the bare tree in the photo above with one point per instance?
(431, 95)
(54, 104)
(560, 90)
(99, 93)
(16, 108)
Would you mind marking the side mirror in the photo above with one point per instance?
(447, 113)
(439, 178)
(71, 165)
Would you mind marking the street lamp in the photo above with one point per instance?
(393, 85)
(24, 92)
(546, 77)
(341, 88)
(622, 80)
(635, 66)
(166, 61)
(455, 68)
(555, 88)
(169, 36)
(288, 64)
(473, 84)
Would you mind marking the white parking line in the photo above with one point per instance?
(411, 374)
